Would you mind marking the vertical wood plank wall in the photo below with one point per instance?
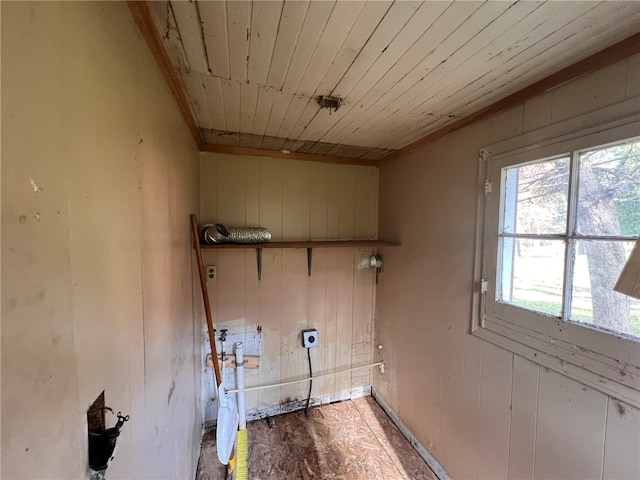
(99, 175)
(295, 201)
(482, 411)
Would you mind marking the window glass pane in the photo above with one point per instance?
(535, 197)
(597, 266)
(609, 191)
(532, 274)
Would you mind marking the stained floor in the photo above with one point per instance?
(350, 440)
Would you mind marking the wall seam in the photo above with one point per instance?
(604, 435)
(479, 409)
(142, 286)
(535, 423)
(464, 388)
(513, 367)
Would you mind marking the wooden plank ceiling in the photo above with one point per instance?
(252, 70)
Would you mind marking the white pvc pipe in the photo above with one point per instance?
(242, 413)
(249, 389)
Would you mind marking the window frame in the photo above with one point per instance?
(606, 361)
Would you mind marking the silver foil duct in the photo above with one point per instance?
(211, 234)
(218, 233)
(248, 235)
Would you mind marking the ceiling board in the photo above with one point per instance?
(505, 74)
(278, 111)
(359, 35)
(292, 18)
(619, 51)
(265, 22)
(343, 17)
(238, 31)
(266, 98)
(508, 77)
(453, 27)
(195, 91)
(248, 102)
(406, 36)
(167, 29)
(414, 105)
(253, 69)
(187, 19)
(231, 102)
(534, 60)
(296, 107)
(213, 95)
(314, 24)
(396, 103)
(213, 16)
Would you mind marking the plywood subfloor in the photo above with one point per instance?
(350, 440)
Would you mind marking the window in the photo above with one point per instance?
(562, 244)
(558, 221)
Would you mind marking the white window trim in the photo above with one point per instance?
(607, 362)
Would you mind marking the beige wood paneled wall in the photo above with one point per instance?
(99, 175)
(295, 201)
(482, 411)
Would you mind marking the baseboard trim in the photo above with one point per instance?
(423, 452)
(281, 408)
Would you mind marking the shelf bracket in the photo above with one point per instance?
(309, 260)
(259, 262)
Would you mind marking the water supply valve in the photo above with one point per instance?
(223, 341)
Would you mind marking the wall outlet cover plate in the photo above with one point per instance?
(211, 272)
(310, 338)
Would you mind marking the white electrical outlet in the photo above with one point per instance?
(310, 338)
(211, 272)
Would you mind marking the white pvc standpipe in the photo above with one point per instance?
(242, 413)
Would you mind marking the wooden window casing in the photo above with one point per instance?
(606, 361)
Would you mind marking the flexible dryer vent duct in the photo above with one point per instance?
(218, 233)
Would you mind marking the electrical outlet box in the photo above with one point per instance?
(310, 338)
(211, 272)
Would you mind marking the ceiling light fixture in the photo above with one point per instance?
(332, 103)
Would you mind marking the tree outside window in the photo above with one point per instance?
(567, 226)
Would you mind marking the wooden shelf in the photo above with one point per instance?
(308, 244)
